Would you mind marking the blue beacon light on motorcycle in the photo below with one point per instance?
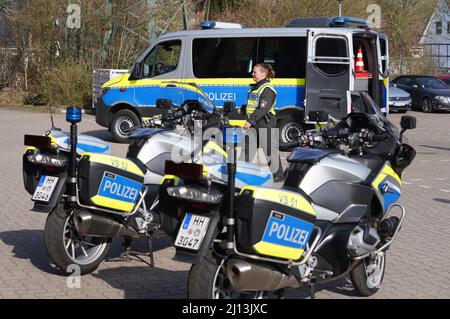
(73, 115)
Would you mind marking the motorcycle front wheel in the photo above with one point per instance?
(208, 280)
(67, 249)
(368, 276)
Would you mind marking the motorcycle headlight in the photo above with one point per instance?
(195, 194)
(47, 160)
(442, 99)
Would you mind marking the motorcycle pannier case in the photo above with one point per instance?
(109, 182)
(274, 223)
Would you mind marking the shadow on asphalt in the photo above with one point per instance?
(441, 200)
(440, 148)
(145, 282)
(29, 244)
(341, 286)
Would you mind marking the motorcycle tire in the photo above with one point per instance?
(368, 284)
(203, 280)
(62, 243)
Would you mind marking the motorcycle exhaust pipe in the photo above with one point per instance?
(89, 224)
(249, 276)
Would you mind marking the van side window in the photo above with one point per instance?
(162, 59)
(332, 49)
(287, 55)
(224, 57)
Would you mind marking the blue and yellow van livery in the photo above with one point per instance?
(315, 70)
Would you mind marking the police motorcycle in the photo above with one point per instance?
(92, 197)
(334, 215)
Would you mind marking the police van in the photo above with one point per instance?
(318, 62)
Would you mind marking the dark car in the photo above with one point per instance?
(444, 78)
(427, 92)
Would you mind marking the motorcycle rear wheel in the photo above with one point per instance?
(207, 280)
(368, 276)
(66, 248)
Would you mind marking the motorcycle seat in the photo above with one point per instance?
(308, 155)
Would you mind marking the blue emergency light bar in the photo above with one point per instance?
(206, 25)
(350, 22)
(73, 115)
(329, 22)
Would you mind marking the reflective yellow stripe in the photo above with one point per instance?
(117, 162)
(210, 146)
(112, 203)
(239, 123)
(279, 251)
(212, 82)
(30, 148)
(282, 197)
(176, 179)
(386, 171)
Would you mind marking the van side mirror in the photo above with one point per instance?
(229, 107)
(318, 116)
(164, 104)
(136, 71)
(408, 122)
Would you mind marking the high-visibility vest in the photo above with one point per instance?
(254, 97)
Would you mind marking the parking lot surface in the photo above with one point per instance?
(417, 264)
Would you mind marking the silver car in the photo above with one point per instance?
(399, 100)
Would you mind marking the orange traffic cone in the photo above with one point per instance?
(359, 67)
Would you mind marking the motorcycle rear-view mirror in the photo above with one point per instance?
(229, 107)
(164, 104)
(408, 122)
(136, 71)
(318, 116)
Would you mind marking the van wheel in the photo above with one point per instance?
(122, 125)
(290, 130)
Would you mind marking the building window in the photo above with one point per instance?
(439, 27)
(448, 27)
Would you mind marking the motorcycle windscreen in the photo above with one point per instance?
(328, 74)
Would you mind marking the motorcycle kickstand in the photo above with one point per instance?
(312, 290)
(126, 255)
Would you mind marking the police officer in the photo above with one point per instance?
(260, 113)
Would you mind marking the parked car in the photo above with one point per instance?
(427, 92)
(399, 100)
(444, 78)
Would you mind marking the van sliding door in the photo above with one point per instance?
(328, 73)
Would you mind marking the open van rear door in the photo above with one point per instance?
(383, 60)
(329, 72)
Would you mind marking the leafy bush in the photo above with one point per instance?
(67, 84)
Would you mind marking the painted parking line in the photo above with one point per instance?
(445, 190)
(425, 186)
(440, 179)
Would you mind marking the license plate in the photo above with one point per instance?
(46, 186)
(399, 103)
(192, 232)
